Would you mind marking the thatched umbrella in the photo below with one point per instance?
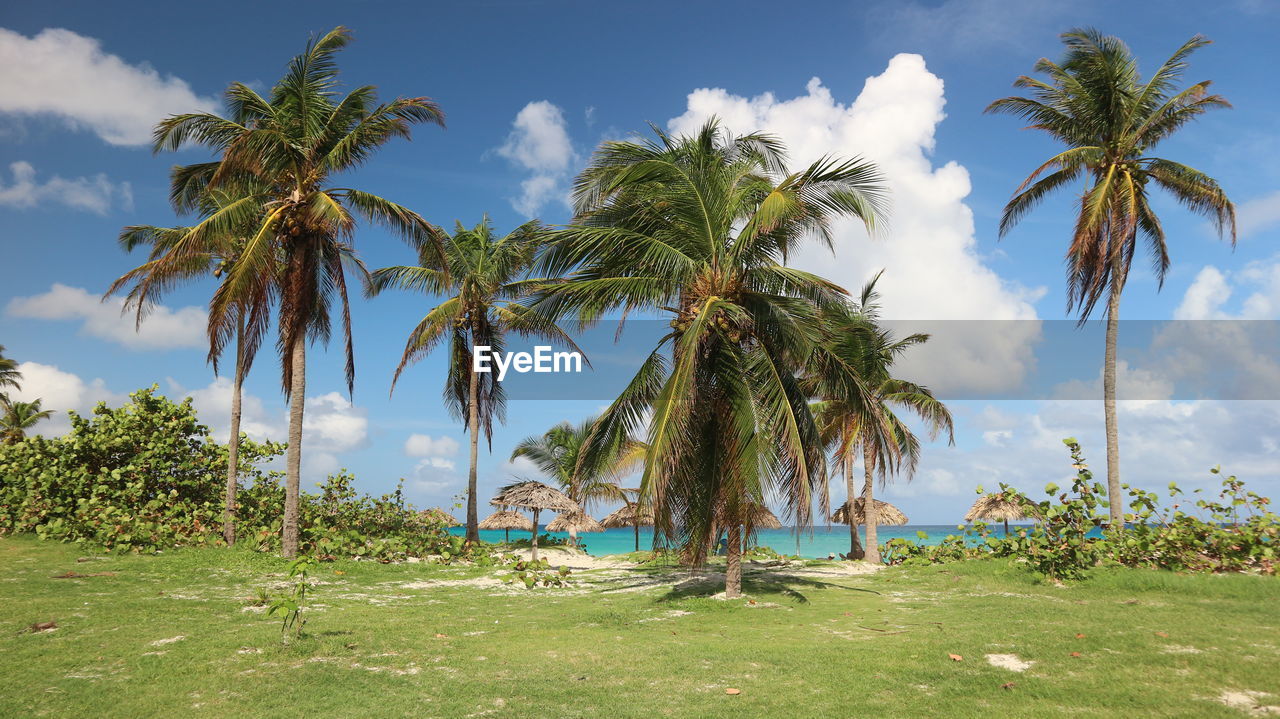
(630, 515)
(574, 522)
(886, 514)
(759, 517)
(437, 514)
(995, 506)
(534, 496)
(507, 520)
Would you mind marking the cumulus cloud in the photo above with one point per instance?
(422, 445)
(93, 194)
(61, 73)
(539, 144)
(928, 250)
(163, 328)
(60, 391)
(1212, 288)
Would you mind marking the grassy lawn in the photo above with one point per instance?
(174, 635)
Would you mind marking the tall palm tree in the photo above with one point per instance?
(150, 280)
(279, 155)
(9, 374)
(559, 454)
(1097, 105)
(698, 228)
(18, 417)
(858, 418)
(487, 277)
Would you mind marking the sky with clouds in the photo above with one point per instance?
(530, 89)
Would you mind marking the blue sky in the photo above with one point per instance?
(529, 89)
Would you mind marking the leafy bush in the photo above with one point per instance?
(544, 540)
(1230, 533)
(534, 573)
(148, 476)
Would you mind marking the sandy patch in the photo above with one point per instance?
(1008, 661)
(170, 640)
(573, 559)
(1179, 649)
(1248, 701)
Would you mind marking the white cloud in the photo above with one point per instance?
(1258, 214)
(67, 75)
(93, 194)
(422, 445)
(335, 424)
(540, 145)
(928, 249)
(60, 391)
(1212, 288)
(163, 328)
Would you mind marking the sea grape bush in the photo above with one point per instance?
(532, 573)
(1232, 532)
(148, 476)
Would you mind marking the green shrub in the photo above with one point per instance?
(148, 476)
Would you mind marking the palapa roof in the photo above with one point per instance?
(437, 514)
(534, 495)
(759, 517)
(575, 521)
(995, 507)
(886, 514)
(627, 515)
(506, 519)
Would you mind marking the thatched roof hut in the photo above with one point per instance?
(996, 507)
(534, 496)
(436, 514)
(575, 522)
(886, 514)
(629, 515)
(759, 517)
(507, 520)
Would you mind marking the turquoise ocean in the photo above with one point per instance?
(816, 543)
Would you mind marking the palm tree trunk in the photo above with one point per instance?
(534, 543)
(869, 508)
(233, 442)
(733, 563)
(855, 547)
(293, 462)
(636, 525)
(1109, 407)
(473, 425)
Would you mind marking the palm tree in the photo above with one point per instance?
(9, 374)
(559, 454)
(156, 276)
(17, 417)
(487, 277)
(1096, 104)
(698, 228)
(857, 417)
(278, 156)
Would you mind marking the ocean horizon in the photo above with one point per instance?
(818, 542)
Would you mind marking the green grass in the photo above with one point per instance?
(616, 646)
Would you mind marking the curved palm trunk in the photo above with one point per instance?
(473, 426)
(869, 508)
(233, 442)
(293, 463)
(733, 563)
(855, 546)
(534, 543)
(1109, 408)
